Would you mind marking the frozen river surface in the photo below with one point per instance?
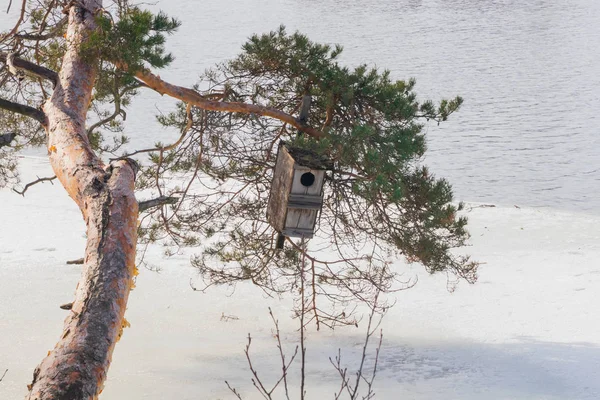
(529, 71)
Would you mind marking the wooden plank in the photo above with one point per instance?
(292, 218)
(304, 206)
(307, 220)
(317, 187)
(297, 186)
(299, 233)
(305, 201)
(301, 218)
(280, 189)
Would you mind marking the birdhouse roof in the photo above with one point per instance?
(308, 158)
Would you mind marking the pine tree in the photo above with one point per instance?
(71, 72)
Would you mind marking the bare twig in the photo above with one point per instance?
(352, 389)
(227, 318)
(3, 375)
(285, 365)
(237, 394)
(168, 147)
(54, 32)
(75, 262)
(256, 380)
(21, 17)
(342, 371)
(302, 326)
(359, 373)
(30, 184)
(370, 393)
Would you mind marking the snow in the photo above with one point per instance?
(529, 329)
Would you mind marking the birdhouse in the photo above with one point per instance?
(296, 191)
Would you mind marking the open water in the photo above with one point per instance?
(529, 71)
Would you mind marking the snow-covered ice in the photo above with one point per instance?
(529, 329)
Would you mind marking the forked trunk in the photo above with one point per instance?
(76, 368)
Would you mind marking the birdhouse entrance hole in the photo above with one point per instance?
(307, 179)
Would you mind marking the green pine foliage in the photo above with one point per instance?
(380, 202)
(136, 40)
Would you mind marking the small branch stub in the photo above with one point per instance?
(7, 138)
(30, 184)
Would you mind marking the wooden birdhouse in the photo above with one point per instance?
(296, 192)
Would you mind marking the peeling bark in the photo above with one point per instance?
(76, 368)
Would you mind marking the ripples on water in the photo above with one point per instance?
(528, 70)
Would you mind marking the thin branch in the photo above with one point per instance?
(54, 32)
(21, 17)
(111, 117)
(359, 373)
(343, 372)
(3, 375)
(302, 326)
(30, 184)
(237, 394)
(31, 68)
(284, 366)
(256, 382)
(194, 98)
(22, 109)
(370, 393)
(169, 147)
(159, 201)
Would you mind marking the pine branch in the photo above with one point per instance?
(22, 109)
(194, 98)
(54, 32)
(31, 68)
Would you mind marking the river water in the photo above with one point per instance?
(529, 71)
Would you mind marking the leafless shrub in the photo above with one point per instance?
(348, 386)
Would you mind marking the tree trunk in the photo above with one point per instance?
(77, 367)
